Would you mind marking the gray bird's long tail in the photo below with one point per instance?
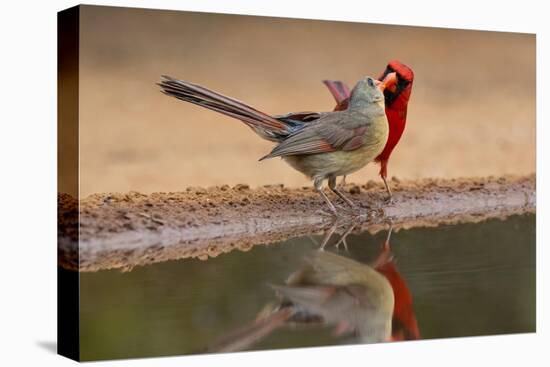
(266, 126)
(250, 334)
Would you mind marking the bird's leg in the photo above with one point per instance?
(343, 182)
(318, 184)
(332, 186)
(313, 240)
(344, 237)
(328, 235)
(385, 255)
(383, 174)
(387, 242)
(389, 198)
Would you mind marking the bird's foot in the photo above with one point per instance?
(370, 212)
(349, 211)
(388, 200)
(327, 213)
(341, 211)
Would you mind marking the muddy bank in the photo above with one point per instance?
(125, 230)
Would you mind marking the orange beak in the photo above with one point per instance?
(389, 82)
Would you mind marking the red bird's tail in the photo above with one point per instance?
(264, 125)
(340, 92)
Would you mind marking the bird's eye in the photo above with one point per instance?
(370, 82)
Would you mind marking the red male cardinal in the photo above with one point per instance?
(404, 324)
(321, 145)
(396, 101)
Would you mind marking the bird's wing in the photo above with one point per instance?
(297, 120)
(331, 132)
(332, 303)
(309, 295)
(339, 91)
(305, 116)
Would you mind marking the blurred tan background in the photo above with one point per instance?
(472, 110)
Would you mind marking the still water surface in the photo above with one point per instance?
(465, 280)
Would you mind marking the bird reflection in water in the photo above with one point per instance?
(367, 303)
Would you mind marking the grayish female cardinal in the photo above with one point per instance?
(321, 145)
(397, 99)
(332, 290)
(335, 290)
